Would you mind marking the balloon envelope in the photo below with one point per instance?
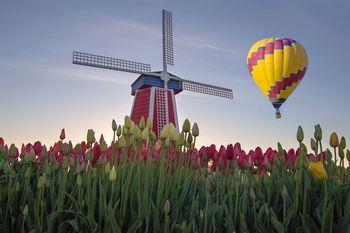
(277, 66)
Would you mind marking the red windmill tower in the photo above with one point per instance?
(154, 91)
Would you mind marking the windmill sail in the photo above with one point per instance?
(167, 26)
(87, 59)
(206, 89)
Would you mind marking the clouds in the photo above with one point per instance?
(63, 71)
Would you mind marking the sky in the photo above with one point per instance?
(41, 91)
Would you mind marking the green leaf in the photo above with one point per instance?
(277, 224)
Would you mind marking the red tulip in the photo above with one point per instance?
(230, 152)
(210, 151)
(258, 155)
(2, 142)
(237, 149)
(201, 151)
(38, 148)
(97, 153)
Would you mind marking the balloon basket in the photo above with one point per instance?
(277, 115)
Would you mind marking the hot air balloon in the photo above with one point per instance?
(277, 66)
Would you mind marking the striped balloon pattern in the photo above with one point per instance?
(277, 66)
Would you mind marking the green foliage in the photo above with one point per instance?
(158, 196)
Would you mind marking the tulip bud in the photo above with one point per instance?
(125, 130)
(7, 168)
(25, 210)
(166, 208)
(181, 139)
(300, 134)
(165, 132)
(112, 175)
(131, 130)
(28, 173)
(107, 168)
(127, 122)
(63, 134)
(172, 134)
(31, 155)
(318, 132)
(284, 192)
(342, 143)
(153, 136)
(79, 149)
(201, 214)
(333, 140)
(189, 138)
(90, 137)
(119, 131)
(186, 127)
(104, 146)
(195, 130)
(137, 133)
(65, 163)
(79, 181)
(149, 124)
(114, 125)
(167, 142)
(70, 147)
(142, 124)
(42, 181)
(145, 133)
(348, 155)
(313, 144)
(303, 149)
(44, 152)
(122, 142)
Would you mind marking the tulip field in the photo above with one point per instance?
(138, 183)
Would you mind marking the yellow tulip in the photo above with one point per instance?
(318, 170)
(127, 122)
(334, 140)
(149, 124)
(145, 134)
(142, 123)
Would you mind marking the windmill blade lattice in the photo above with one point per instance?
(167, 26)
(87, 59)
(206, 89)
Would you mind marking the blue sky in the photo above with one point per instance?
(42, 92)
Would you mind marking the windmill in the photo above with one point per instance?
(154, 92)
